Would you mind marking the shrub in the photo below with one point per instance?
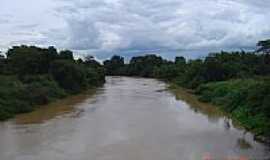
(248, 100)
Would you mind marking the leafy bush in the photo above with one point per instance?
(44, 90)
(247, 100)
(68, 75)
(33, 76)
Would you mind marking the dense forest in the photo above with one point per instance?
(32, 76)
(237, 82)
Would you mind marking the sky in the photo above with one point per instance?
(189, 28)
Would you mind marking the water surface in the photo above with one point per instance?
(127, 119)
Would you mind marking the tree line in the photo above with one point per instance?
(32, 76)
(237, 81)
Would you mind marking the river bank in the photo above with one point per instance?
(237, 82)
(32, 76)
(259, 126)
(128, 118)
(24, 96)
(59, 107)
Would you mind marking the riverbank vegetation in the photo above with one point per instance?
(32, 76)
(238, 82)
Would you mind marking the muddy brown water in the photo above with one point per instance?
(127, 119)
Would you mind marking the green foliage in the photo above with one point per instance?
(73, 77)
(42, 89)
(27, 60)
(180, 60)
(3, 64)
(144, 66)
(21, 96)
(68, 75)
(247, 99)
(166, 72)
(32, 76)
(114, 65)
(215, 67)
(264, 46)
(235, 81)
(91, 62)
(66, 54)
(94, 77)
(227, 79)
(13, 97)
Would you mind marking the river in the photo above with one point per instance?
(127, 119)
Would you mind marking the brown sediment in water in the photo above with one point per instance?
(128, 120)
(212, 111)
(186, 95)
(54, 109)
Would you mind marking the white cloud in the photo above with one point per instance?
(124, 26)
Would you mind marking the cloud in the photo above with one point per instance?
(106, 27)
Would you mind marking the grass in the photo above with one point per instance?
(247, 100)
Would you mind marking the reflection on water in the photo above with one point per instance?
(210, 111)
(227, 124)
(243, 144)
(127, 119)
(197, 106)
(54, 109)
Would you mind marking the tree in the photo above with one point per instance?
(66, 54)
(3, 64)
(144, 65)
(69, 75)
(166, 72)
(180, 60)
(214, 70)
(25, 60)
(90, 61)
(114, 65)
(264, 46)
(32, 76)
(52, 53)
